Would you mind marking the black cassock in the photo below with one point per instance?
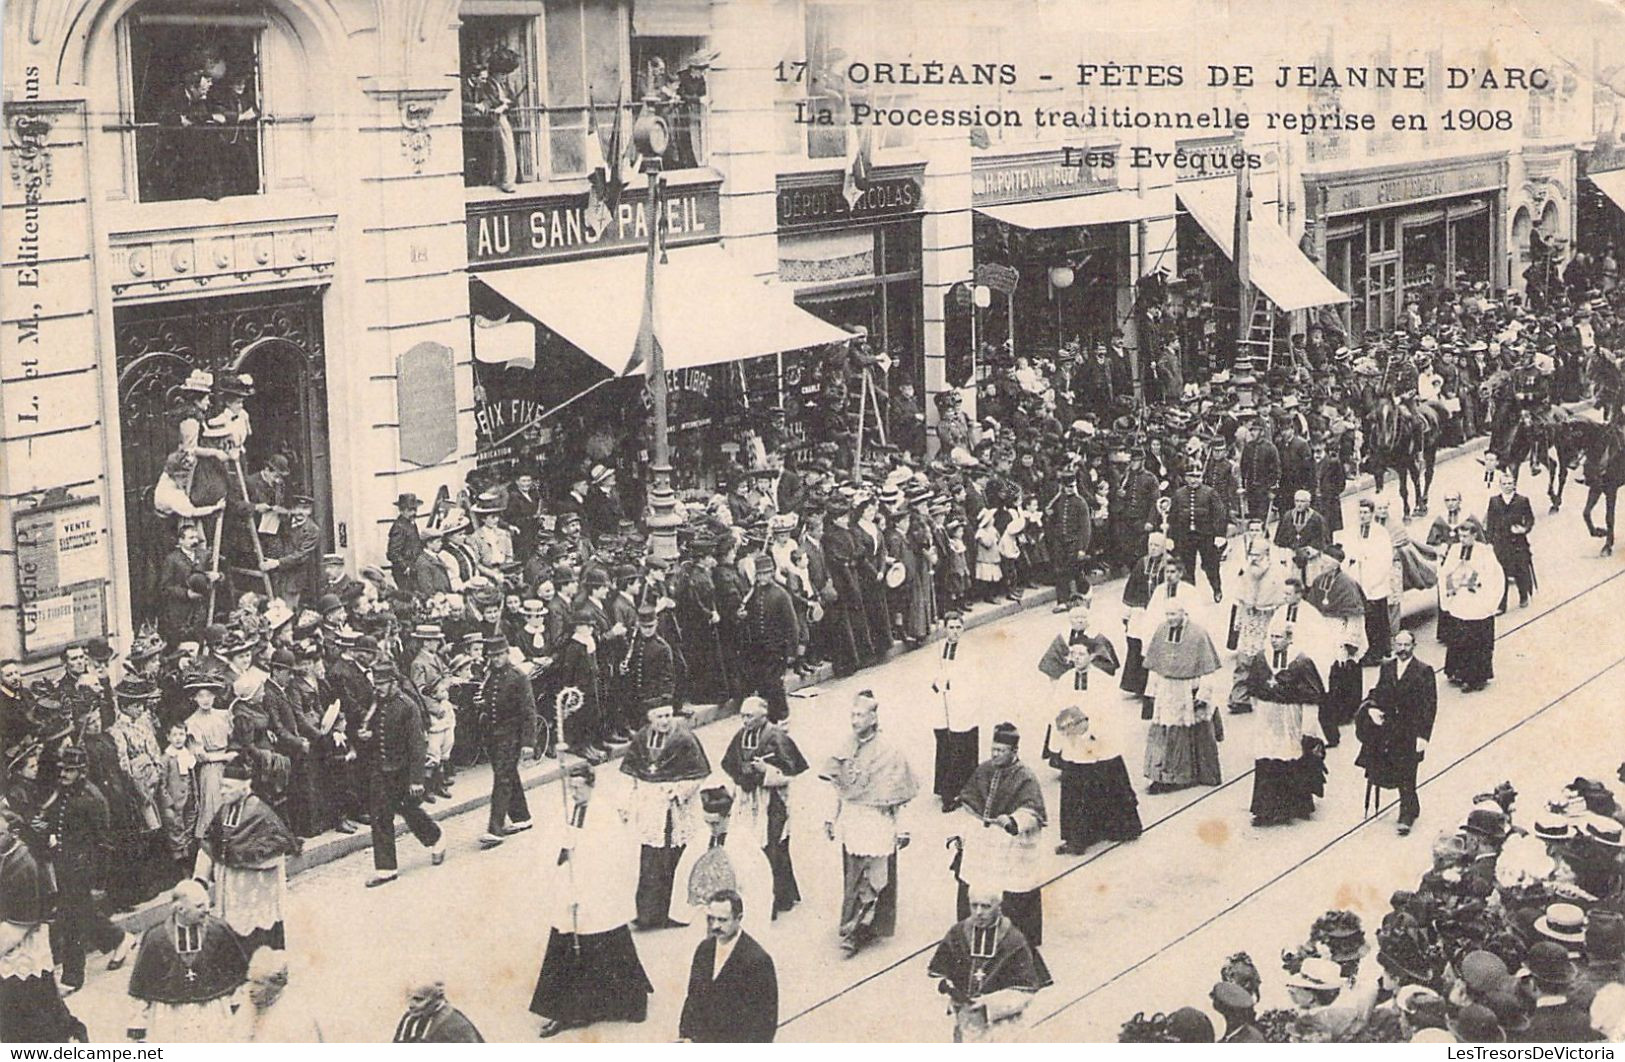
(653, 758)
(769, 744)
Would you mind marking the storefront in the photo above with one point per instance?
(1410, 233)
(1206, 229)
(854, 263)
(555, 303)
(1060, 235)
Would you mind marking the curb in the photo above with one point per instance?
(332, 847)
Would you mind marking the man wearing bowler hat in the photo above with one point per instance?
(405, 543)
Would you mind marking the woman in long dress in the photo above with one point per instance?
(208, 737)
(1181, 748)
(1097, 799)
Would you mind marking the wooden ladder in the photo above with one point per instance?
(253, 536)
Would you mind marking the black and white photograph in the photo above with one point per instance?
(812, 521)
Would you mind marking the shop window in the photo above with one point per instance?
(195, 84)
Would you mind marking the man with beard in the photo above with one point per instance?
(666, 764)
(509, 707)
(873, 784)
(591, 971)
(1003, 808)
(987, 970)
(1395, 725)
(186, 972)
(762, 759)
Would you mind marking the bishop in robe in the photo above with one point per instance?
(666, 764)
(762, 759)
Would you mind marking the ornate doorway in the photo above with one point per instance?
(274, 337)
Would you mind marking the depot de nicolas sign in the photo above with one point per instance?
(542, 230)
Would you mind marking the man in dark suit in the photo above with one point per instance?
(1395, 725)
(393, 742)
(770, 642)
(1197, 523)
(1297, 465)
(1260, 472)
(1506, 526)
(509, 710)
(646, 673)
(733, 990)
(405, 542)
(1330, 479)
(1069, 528)
(1131, 508)
(429, 1019)
(1302, 527)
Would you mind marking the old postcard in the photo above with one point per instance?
(811, 520)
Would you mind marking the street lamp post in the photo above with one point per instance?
(651, 135)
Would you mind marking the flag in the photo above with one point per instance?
(605, 177)
(856, 180)
(648, 326)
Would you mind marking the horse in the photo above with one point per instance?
(1557, 440)
(1604, 447)
(1405, 439)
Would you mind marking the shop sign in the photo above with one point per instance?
(1001, 278)
(425, 391)
(546, 230)
(1414, 187)
(60, 573)
(1072, 171)
(824, 204)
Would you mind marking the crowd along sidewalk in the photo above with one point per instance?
(471, 791)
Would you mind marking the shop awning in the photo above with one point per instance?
(1612, 183)
(708, 309)
(1102, 208)
(1275, 265)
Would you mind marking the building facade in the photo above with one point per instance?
(419, 226)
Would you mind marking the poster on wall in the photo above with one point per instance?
(60, 562)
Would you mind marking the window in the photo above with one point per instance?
(541, 94)
(672, 69)
(839, 33)
(195, 87)
(498, 64)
